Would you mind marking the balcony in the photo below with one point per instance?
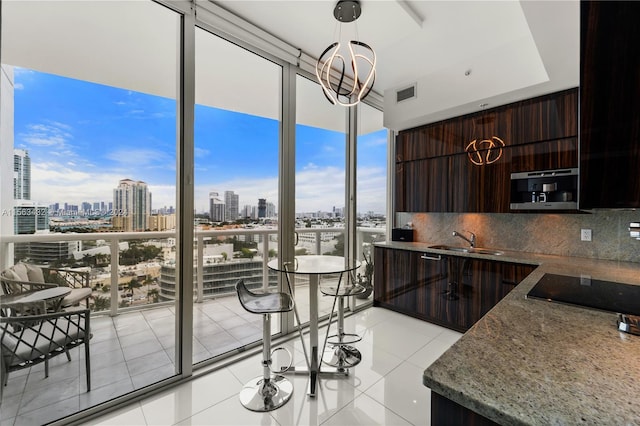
(134, 335)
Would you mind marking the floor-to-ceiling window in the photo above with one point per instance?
(89, 118)
(371, 194)
(89, 95)
(320, 179)
(237, 140)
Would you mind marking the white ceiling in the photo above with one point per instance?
(514, 50)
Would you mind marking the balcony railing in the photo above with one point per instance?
(115, 238)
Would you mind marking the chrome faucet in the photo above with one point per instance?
(471, 240)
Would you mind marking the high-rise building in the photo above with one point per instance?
(247, 212)
(30, 218)
(216, 207)
(231, 202)
(21, 175)
(131, 206)
(262, 207)
(271, 210)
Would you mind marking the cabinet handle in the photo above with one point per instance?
(426, 257)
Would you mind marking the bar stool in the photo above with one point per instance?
(343, 354)
(266, 392)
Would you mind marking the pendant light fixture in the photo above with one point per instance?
(335, 59)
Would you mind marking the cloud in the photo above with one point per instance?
(18, 86)
(200, 152)
(317, 189)
(376, 141)
(51, 134)
(57, 182)
(128, 158)
(162, 196)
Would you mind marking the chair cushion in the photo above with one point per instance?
(35, 273)
(11, 275)
(20, 270)
(76, 296)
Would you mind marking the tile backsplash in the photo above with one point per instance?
(531, 232)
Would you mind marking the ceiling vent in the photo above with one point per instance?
(406, 93)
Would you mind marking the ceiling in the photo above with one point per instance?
(461, 54)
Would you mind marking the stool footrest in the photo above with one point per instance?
(344, 339)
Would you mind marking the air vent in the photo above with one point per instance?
(407, 93)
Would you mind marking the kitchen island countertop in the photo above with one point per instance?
(533, 362)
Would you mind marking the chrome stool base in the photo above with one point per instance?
(261, 396)
(342, 356)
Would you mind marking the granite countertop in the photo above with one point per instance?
(532, 362)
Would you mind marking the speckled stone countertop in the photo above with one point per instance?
(532, 362)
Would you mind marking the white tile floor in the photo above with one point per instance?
(385, 389)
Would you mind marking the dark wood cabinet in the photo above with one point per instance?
(489, 282)
(548, 155)
(609, 104)
(452, 291)
(395, 279)
(479, 188)
(447, 412)
(434, 173)
(423, 185)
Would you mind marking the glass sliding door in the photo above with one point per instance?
(320, 182)
(237, 138)
(88, 115)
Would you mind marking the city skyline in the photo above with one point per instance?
(84, 137)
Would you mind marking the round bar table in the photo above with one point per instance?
(314, 266)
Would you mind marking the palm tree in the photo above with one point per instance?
(101, 303)
(133, 284)
(155, 295)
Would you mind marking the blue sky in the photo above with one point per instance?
(84, 137)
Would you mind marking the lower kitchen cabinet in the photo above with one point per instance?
(452, 291)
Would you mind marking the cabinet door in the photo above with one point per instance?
(480, 188)
(609, 105)
(557, 154)
(485, 284)
(394, 279)
(426, 185)
(437, 301)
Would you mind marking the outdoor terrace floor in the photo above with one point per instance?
(129, 351)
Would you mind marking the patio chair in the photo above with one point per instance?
(27, 340)
(26, 277)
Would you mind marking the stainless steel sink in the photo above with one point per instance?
(467, 249)
(451, 248)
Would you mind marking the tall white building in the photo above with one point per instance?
(131, 206)
(21, 175)
(271, 210)
(216, 207)
(231, 202)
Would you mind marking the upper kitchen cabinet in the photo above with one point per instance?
(436, 140)
(609, 105)
(465, 164)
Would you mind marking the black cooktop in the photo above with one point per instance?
(590, 293)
